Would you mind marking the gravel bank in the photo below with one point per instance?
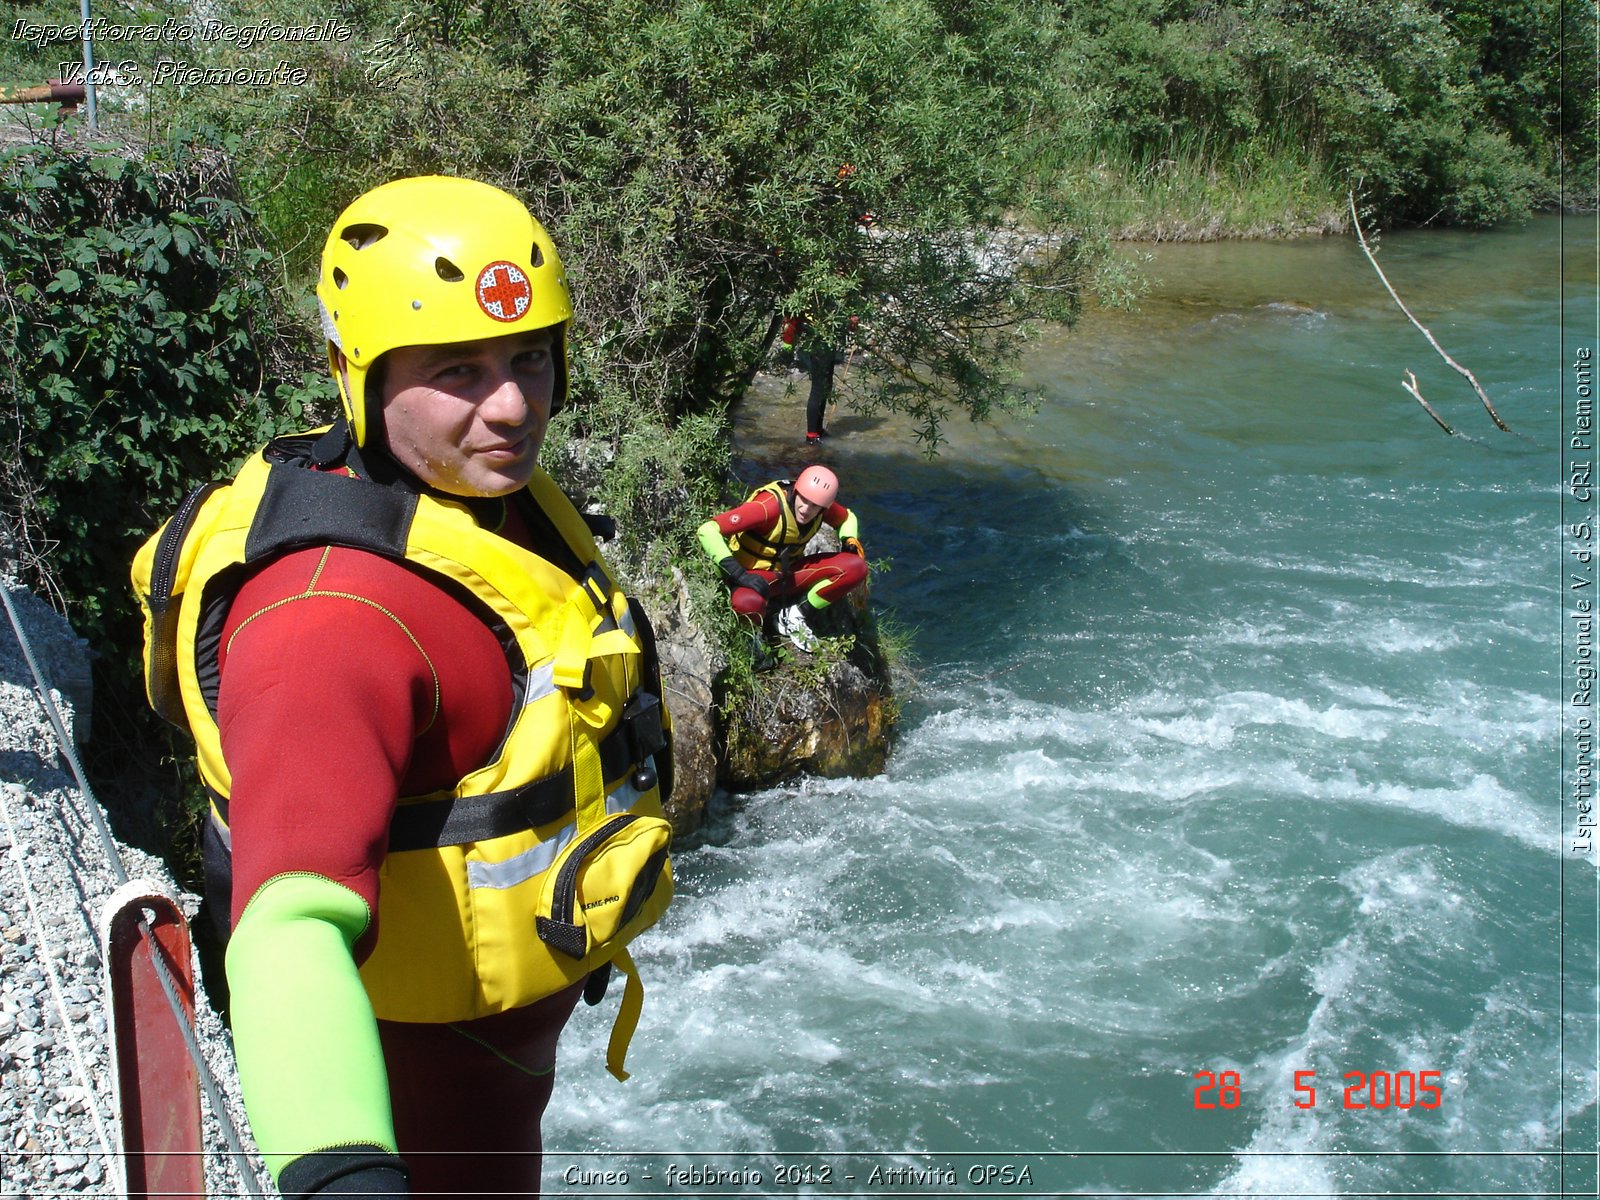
(59, 1127)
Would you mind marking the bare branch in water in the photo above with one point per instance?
(1432, 341)
(1412, 387)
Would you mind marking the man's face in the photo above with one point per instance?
(468, 418)
(804, 509)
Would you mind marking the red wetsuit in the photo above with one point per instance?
(837, 573)
(347, 681)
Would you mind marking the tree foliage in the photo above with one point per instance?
(1455, 111)
(142, 352)
(688, 156)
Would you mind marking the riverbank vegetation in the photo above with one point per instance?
(709, 168)
(144, 346)
(936, 177)
(1258, 116)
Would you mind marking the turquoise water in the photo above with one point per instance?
(1235, 746)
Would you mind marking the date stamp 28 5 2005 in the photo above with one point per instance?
(1377, 1090)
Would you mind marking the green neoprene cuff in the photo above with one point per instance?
(712, 542)
(848, 528)
(310, 1063)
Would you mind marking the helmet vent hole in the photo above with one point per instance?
(448, 271)
(536, 257)
(340, 279)
(362, 236)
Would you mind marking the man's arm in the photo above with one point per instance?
(759, 516)
(327, 684)
(844, 520)
(310, 1061)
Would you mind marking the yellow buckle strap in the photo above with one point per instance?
(588, 773)
(572, 654)
(614, 641)
(578, 646)
(627, 1015)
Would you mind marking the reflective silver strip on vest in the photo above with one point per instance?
(541, 683)
(538, 859)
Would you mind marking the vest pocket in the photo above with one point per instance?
(601, 882)
(500, 932)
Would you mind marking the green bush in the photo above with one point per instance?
(142, 353)
(1451, 111)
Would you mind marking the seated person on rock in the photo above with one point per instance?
(760, 547)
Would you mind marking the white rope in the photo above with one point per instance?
(64, 739)
(91, 1095)
(239, 1159)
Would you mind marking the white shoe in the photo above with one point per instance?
(791, 624)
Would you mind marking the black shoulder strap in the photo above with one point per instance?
(653, 685)
(301, 507)
(161, 634)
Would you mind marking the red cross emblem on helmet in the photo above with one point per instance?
(504, 291)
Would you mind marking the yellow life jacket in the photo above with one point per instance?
(773, 551)
(540, 866)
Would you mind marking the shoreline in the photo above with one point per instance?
(1157, 231)
(1164, 230)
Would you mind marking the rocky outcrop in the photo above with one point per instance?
(826, 712)
(822, 713)
(690, 666)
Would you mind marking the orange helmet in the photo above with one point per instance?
(818, 485)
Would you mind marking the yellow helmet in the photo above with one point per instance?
(429, 260)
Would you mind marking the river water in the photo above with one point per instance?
(1237, 759)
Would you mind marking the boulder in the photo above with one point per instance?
(690, 667)
(825, 712)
